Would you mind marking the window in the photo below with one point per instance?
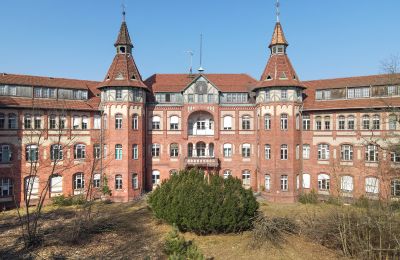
(306, 181)
(155, 150)
(174, 123)
(297, 122)
(227, 173)
(118, 182)
(80, 151)
(174, 150)
(5, 153)
(105, 121)
(6, 187)
(323, 152)
(267, 95)
(227, 122)
(376, 122)
(96, 151)
(155, 177)
(327, 121)
(200, 98)
(97, 122)
(350, 122)
(56, 152)
(372, 185)
(246, 122)
(306, 122)
(200, 149)
(85, 122)
(210, 98)
(284, 183)
(346, 152)
(75, 122)
(246, 150)
(297, 151)
(135, 181)
(342, 122)
(395, 187)
(96, 180)
(32, 153)
(2, 120)
(62, 122)
(135, 151)
(56, 183)
(31, 187)
(284, 122)
(79, 181)
(52, 122)
(118, 94)
(267, 150)
(246, 178)
(12, 121)
(155, 123)
(37, 122)
(27, 121)
(227, 150)
(306, 151)
(318, 123)
(365, 122)
(392, 90)
(323, 182)
(371, 153)
(358, 92)
(392, 122)
(190, 98)
(118, 121)
(118, 152)
(267, 122)
(346, 183)
(267, 182)
(284, 95)
(284, 152)
(135, 121)
(105, 151)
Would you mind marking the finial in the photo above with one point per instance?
(201, 69)
(277, 10)
(123, 12)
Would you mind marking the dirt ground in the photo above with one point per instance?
(128, 231)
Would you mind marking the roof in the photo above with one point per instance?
(310, 103)
(123, 36)
(37, 81)
(178, 82)
(278, 37)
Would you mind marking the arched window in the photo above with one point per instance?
(246, 150)
(174, 150)
(135, 181)
(246, 122)
(2, 121)
(306, 151)
(79, 151)
(297, 121)
(56, 184)
(56, 152)
(346, 183)
(27, 121)
(306, 181)
(155, 177)
(323, 182)
(5, 153)
(53, 121)
(118, 152)
(174, 122)
(350, 123)
(346, 152)
(341, 123)
(284, 152)
(318, 123)
(284, 122)
(96, 180)
(246, 178)
(12, 121)
(135, 151)
(78, 182)
(6, 187)
(327, 121)
(32, 153)
(227, 173)
(365, 122)
(376, 125)
(284, 183)
(118, 182)
(267, 151)
(62, 122)
(76, 122)
(105, 121)
(372, 185)
(155, 123)
(211, 150)
(306, 122)
(190, 150)
(37, 121)
(135, 122)
(323, 152)
(392, 122)
(201, 149)
(32, 187)
(227, 150)
(97, 122)
(267, 122)
(118, 121)
(267, 182)
(227, 122)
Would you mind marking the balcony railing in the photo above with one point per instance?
(201, 162)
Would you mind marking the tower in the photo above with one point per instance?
(123, 98)
(279, 104)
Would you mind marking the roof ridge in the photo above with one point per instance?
(45, 77)
(352, 77)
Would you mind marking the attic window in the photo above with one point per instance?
(269, 77)
(294, 77)
(133, 77)
(283, 75)
(108, 77)
(122, 49)
(119, 76)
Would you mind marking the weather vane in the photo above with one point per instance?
(123, 10)
(277, 10)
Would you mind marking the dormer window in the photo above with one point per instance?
(269, 77)
(122, 49)
(283, 75)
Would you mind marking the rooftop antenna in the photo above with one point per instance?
(191, 53)
(123, 11)
(278, 13)
(201, 54)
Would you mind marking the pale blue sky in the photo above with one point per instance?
(74, 38)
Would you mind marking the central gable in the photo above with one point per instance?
(201, 85)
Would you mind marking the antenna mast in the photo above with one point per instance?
(191, 53)
(277, 10)
(201, 54)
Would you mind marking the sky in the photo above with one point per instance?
(74, 38)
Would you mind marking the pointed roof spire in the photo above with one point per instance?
(123, 35)
(278, 37)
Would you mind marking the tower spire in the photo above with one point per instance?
(278, 13)
(123, 12)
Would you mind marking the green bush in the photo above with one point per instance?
(204, 205)
(176, 247)
(309, 198)
(68, 201)
(334, 201)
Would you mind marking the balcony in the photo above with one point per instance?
(201, 162)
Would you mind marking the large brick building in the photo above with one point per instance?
(137, 132)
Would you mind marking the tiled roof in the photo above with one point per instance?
(178, 82)
(278, 37)
(25, 80)
(310, 103)
(123, 36)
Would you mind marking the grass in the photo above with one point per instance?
(130, 231)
